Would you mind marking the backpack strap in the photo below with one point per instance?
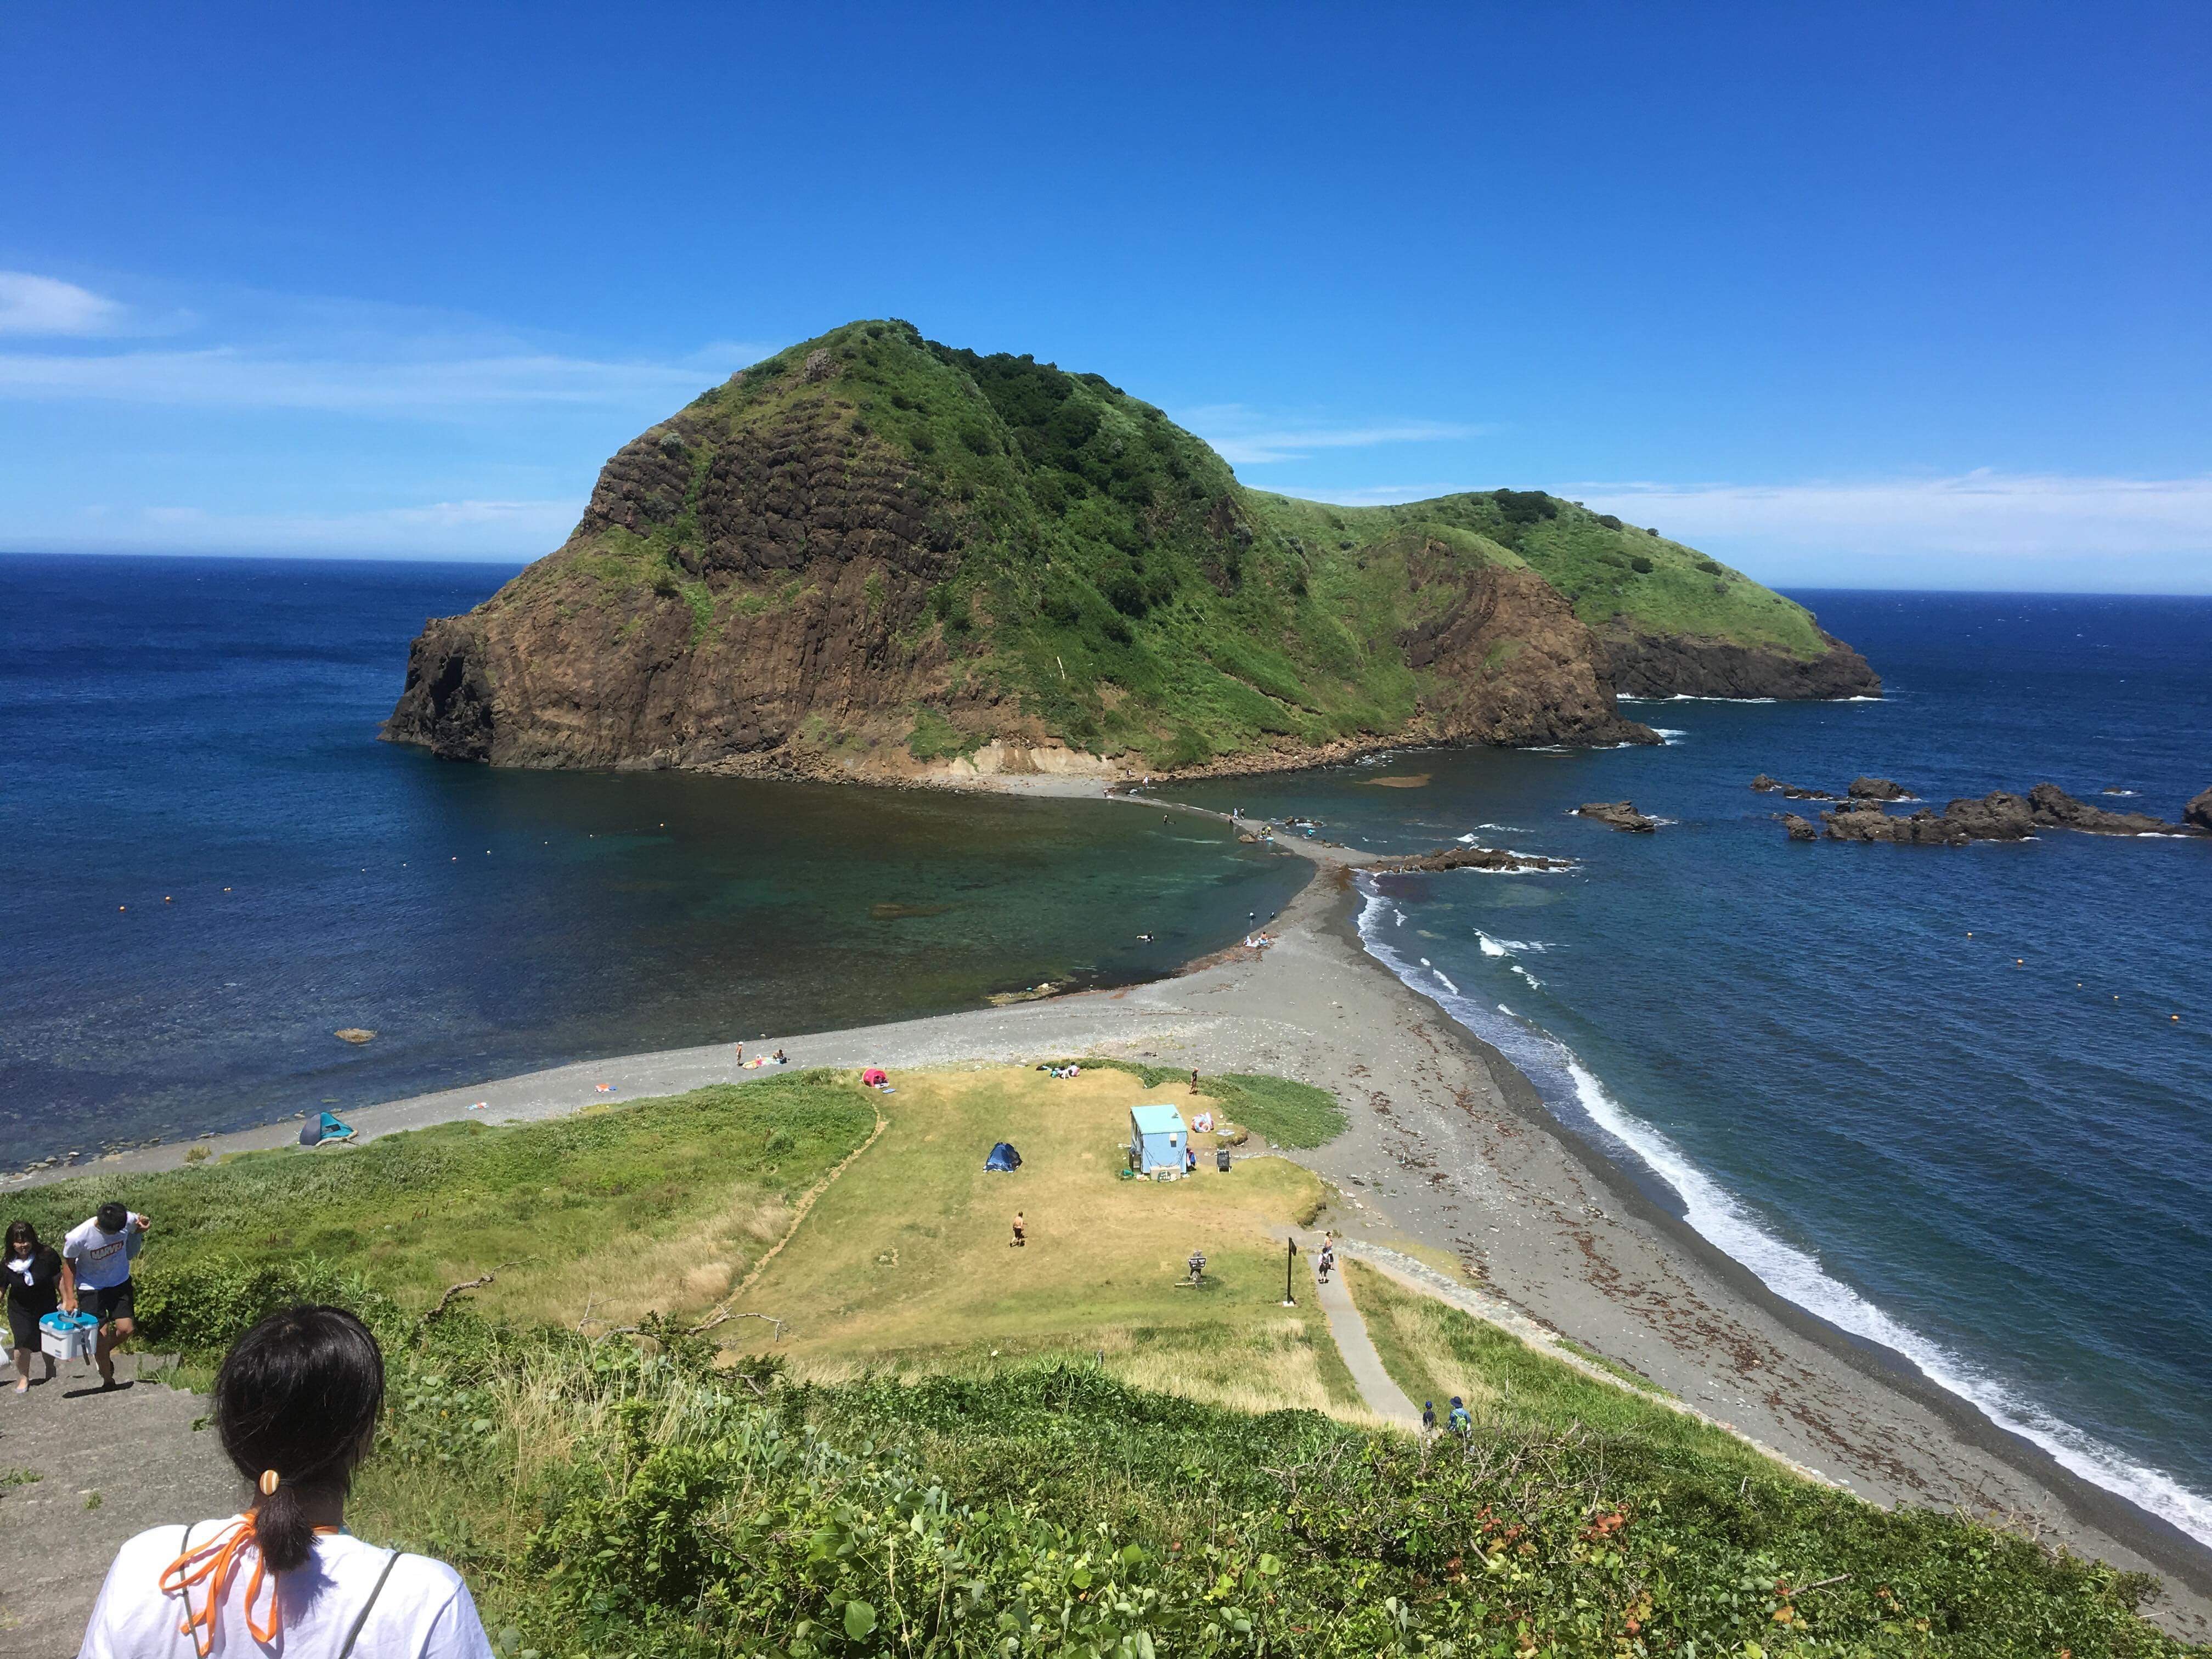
(353, 1635)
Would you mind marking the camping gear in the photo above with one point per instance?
(1221, 1159)
(1004, 1158)
(1156, 1139)
(325, 1128)
(66, 1336)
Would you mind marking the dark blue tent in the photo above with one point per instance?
(325, 1128)
(1003, 1158)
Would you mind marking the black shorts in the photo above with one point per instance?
(108, 1306)
(23, 1322)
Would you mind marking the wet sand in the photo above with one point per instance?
(1450, 1155)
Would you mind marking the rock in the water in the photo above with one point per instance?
(1620, 814)
(1764, 784)
(353, 1034)
(1472, 857)
(2197, 815)
(1800, 829)
(1792, 792)
(1997, 816)
(2053, 806)
(1879, 789)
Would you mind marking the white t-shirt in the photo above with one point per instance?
(102, 1261)
(423, 1610)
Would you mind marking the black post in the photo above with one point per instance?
(1290, 1250)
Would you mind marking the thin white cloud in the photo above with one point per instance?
(463, 529)
(1244, 437)
(229, 378)
(1982, 514)
(31, 304)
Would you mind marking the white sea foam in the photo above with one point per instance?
(1524, 973)
(1794, 1273)
(1446, 984)
(1672, 736)
(1492, 947)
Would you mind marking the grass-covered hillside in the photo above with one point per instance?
(879, 553)
(951, 1447)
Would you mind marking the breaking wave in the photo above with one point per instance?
(1576, 1097)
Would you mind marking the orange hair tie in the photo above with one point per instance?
(269, 1482)
(212, 1564)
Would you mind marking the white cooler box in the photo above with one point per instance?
(68, 1336)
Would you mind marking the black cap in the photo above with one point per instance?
(113, 1217)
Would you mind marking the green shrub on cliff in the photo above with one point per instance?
(605, 1500)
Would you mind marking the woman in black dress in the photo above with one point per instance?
(34, 1277)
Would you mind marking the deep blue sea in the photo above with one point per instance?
(208, 863)
(1941, 1097)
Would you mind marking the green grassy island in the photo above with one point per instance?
(755, 1371)
(875, 555)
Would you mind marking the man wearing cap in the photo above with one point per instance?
(99, 1253)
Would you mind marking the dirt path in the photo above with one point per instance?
(109, 1465)
(1383, 1396)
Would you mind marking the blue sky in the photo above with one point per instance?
(1854, 295)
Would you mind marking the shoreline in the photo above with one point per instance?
(1450, 1150)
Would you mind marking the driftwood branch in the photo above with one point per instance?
(452, 1291)
(722, 1314)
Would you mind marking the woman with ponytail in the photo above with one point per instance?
(296, 1404)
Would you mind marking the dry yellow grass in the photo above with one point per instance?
(905, 1260)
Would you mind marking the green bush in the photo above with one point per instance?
(1053, 1510)
(1642, 565)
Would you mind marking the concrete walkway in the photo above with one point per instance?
(108, 1466)
(1349, 1331)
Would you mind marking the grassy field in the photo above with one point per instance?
(1433, 1351)
(906, 1262)
(653, 1205)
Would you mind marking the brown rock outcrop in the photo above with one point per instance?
(1620, 814)
(1469, 857)
(1646, 664)
(1998, 816)
(1800, 829)
(1878, 789)
(2197, 815)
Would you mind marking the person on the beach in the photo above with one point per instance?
(1428, 1417)
(100, 1252)
(1459, 1422)
(1194, 1080)
(1021, 1238)
(1190, 1161)
(780, 1057)
(296, 1404)
(36, 1277)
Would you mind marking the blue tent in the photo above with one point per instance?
(1003, 1158)
(325, 1128)
(1156, 1139)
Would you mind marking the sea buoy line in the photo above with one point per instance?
(1572, 1093)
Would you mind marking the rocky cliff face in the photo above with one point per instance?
(876, 556)
(1654, 665)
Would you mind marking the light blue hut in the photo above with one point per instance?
(1156, 1140)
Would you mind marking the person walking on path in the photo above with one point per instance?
(1428, 1417)
(1459, 1422)
(37, 1276)
(1325, 1264)
(99, 1253)
(1021, 1238)
(295, 1403)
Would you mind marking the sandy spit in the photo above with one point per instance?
(1450, 1152)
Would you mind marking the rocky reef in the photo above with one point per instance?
(1998, 816)
(1620, 814)
(1494, 859)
